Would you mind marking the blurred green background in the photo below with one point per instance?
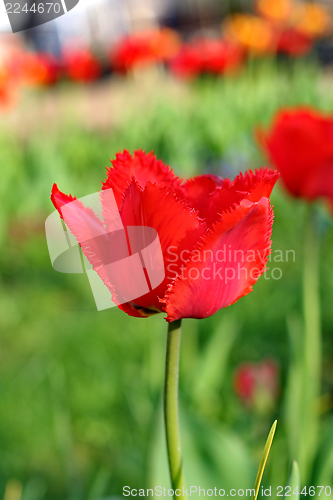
(81, 390)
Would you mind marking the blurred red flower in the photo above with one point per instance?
(206, 55)
(257, 384)
(38, 69)
(207, 226)
(142, 49)
(8, 87)
(81, 65)
(293, 42)
(187, 63)
(300, 145)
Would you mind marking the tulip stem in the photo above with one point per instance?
(312, 343)
(171, 409)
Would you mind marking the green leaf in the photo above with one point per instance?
(294, 480)
(264, 460)
(212, 454)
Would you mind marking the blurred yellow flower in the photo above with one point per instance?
(275, 10)
(312, 19)
(255, 34)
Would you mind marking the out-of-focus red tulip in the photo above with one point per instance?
(214, 233)
(143, 49)
(244, 382)
(220, 56)
(293, 42)
(38, 69)
(8, 94)
(131, 52)
(10, 77)
(165, 43)
(257, 385)
(187, 64)
(204, 55)
(255, 34)
(8, 86)
(300, 145)
(81, 65)
(6, 97)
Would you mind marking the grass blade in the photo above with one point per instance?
(294, 480)
(264, 460)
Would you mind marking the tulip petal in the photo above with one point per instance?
(59, 199)
(143, 166)
(212, 202)
(210, 195)
(85, 226)
(198, 191)
(319, 184)
(177, 226)
(93, 249)
(214, 278)
(257, 185)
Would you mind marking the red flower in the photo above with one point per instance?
(38, 69)
(187, 64)
(300, 145)
(8, 87)
(257, 384)
(207, 227)
(293, 42)
(81, 65)
(244, 383)
(142, 49)
(205, 55)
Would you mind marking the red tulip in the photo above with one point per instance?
(81, 65)
(38, 69)
(207, 227)
(7, 96)
(8, 87)
(187, 63)
(257, 384)
(131, 52)
(293, 42)
(142, 49)
(10, 73)
(205, 55)
(221, 56)
(300, 145)
(244, 382)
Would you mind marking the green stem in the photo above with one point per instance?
(171, 409)
(312, 344)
